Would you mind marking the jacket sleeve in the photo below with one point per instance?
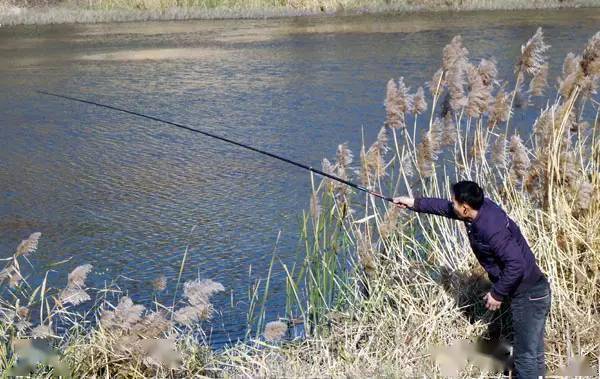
(431, 205)
(509, 253)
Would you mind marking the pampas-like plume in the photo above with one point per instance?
(427, 154)
(77, 277)
(191, 314)
(500, 110)
(199, 291)
(488, 71)
(74, 296)
(405, 100)
(533, 54)
(372, 161)
(454, 61)
(479, 96)
(437, 83)
(499, 152)
(394, 113)
(160, 284)
(123, 317)
(454, 54)
(590, 62)
(74, 292)
(275, 331)
(153, 325)
(584, 195)
(419, 103)
(539, 82)
(520, 160)
(570, 70)
(344, 155)
(12, 273)
(543, 129)
(448, 128)
(29, 245)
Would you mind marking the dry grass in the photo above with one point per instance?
(423, 285)
(381, 292)
(90, 11)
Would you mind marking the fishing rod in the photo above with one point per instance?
(224, 139)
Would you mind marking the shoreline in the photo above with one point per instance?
(71, 14)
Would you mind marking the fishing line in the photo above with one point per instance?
(224, 139)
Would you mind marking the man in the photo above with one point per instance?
(504, 253)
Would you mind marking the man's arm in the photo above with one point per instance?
(508, 251)
(431, 205)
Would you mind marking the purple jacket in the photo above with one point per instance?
(497, 243)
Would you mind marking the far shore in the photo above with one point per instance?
(101, 11)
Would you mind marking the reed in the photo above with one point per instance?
(377, 291)
(410, 296)
(13, 12)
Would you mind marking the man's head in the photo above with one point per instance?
(468, 198)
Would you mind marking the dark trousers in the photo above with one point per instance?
(529, 311)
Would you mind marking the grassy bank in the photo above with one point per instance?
(379, 291)
(90, 11)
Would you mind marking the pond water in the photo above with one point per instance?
(124, 193)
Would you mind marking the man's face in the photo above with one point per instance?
(461, 209)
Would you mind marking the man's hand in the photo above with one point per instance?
(404, 202)
(491, 303)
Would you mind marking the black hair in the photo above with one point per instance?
(467, 192)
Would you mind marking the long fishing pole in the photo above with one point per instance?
(297, 164)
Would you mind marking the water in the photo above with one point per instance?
(124, 193)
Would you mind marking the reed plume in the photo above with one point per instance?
(520, 162)
(454, 62)
(191, 314)
(372, 161)
(198, 293)
(275, 331)
(448, 127)
(570, 70)
(488, 71)
(74, 292)
(590, 62)
(29, 245)
(394, 113)
(500, 110)
(405, 99)
(344, 155)
(153, 325)
(479, 96)
(344, 158)
(437, 83)
(539, 82)
(533, 54)
(12, 273)
(498, 154)
(160, 284)
(419, 102)
(123, 317)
